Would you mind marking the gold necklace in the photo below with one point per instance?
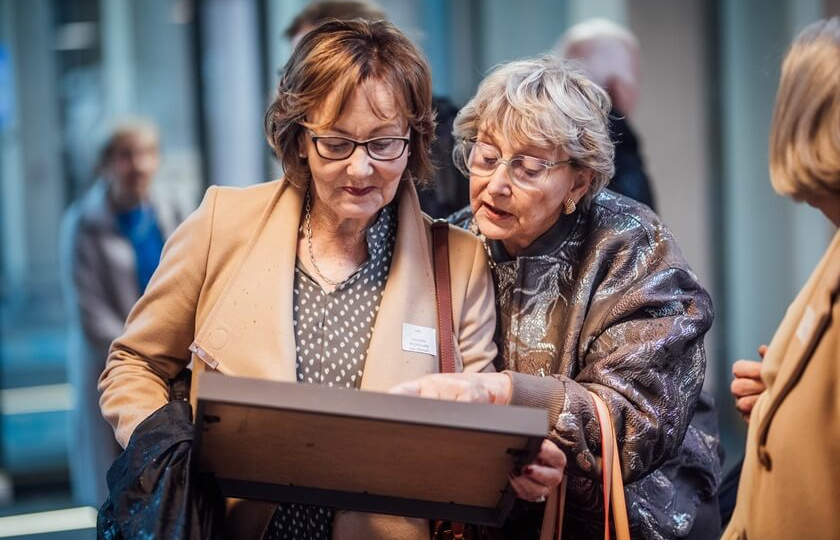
(307, 231)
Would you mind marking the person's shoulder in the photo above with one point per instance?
(244, 194)
(244, 200)
(628, 226)
(231, 215)
(627, 219)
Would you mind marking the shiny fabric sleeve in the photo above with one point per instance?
(641, 350)
(154, 346)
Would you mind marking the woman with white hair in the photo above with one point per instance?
(593, 295)
(790, 481)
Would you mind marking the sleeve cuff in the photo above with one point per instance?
(540, 392)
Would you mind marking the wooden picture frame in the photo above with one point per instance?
(363, 451)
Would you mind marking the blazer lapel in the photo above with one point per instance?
(249, 332)
(409, 297)
(800, 332)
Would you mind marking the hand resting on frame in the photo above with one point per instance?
(536, 480)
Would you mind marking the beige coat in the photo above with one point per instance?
(790, 484)
(224, 290)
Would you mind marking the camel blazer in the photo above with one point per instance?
(223, 290)
(790, 484)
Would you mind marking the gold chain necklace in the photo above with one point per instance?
(307, 232)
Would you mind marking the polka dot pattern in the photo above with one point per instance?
(332, 335)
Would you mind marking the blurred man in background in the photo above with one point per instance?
(111, 241)
(609, 54)
(451, 190)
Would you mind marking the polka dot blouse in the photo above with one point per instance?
(332, 335)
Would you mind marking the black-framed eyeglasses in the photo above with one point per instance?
(482, 159)
(379, 148)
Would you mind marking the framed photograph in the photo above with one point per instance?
(363, 451)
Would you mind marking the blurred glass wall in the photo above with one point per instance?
(68, 69)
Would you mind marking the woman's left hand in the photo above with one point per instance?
(472, 387)
(538, 479)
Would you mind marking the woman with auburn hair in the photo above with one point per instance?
(790, 481)
(311, 278)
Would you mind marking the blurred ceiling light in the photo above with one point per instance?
(70, 519)
(75, 36)
(36, 399)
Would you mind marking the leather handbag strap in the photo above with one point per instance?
(446, 327)
(443, 295)
(612, 485)
(555, 504)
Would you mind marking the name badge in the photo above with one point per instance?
(806, 325)
(420, 339)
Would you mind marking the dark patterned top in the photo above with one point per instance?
(332, 334)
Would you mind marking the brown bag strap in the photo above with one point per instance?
(612, 485)
(446, 328)
(443, 295)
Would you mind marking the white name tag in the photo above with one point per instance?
(806, 325)
(421, 339)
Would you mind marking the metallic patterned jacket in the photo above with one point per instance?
(604, 301)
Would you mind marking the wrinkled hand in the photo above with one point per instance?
(538, 479)
(747, 385)
(472, 387)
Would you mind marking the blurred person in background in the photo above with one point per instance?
(111, 241)
(790, 482)
(449, 191)
(609, 54)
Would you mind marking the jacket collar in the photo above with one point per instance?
(548, 243)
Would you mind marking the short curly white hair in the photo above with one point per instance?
(544, 102)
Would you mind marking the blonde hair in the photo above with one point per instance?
(546, 103)
(805, 133)
(334, 60)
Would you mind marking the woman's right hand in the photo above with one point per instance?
(747, 385)
(492, 388)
